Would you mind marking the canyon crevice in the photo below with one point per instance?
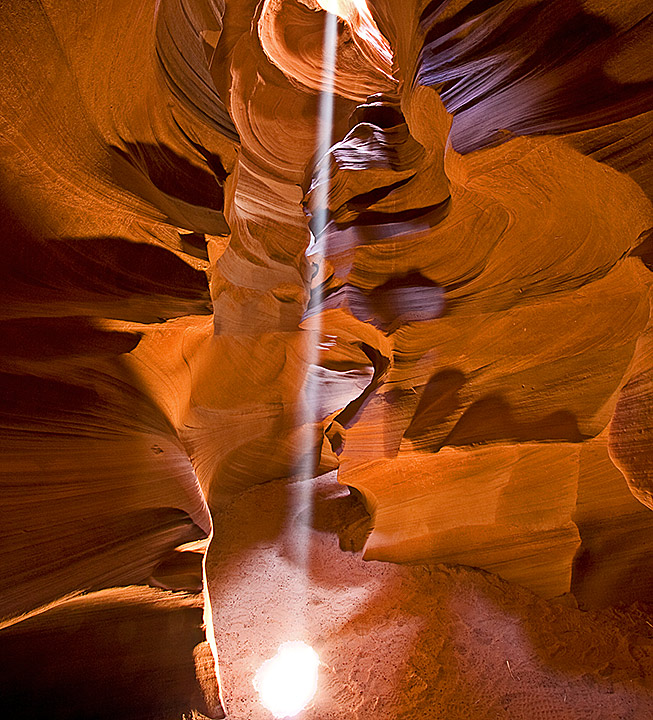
(482, 294)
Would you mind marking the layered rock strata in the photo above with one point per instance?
(484, 303)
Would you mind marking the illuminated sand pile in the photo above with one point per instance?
(481, 295)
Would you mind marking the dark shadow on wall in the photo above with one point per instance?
(440, 400)
(492, 419)
(121, 653)
(189, 195)
(503, 70)
(48, 338)
(175, 176)
(104, 276)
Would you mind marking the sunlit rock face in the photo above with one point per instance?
(485, 300)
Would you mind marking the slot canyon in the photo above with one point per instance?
(357, 358)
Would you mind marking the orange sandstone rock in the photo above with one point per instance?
(482, 291)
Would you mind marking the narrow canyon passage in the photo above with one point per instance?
(380, 383)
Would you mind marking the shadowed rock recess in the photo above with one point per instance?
(481, 534)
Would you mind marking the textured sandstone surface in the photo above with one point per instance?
(410, 642)
(127, 652)
(482, 293)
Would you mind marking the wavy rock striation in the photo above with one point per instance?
(484, 296)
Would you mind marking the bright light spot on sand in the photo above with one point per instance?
(287, 682)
